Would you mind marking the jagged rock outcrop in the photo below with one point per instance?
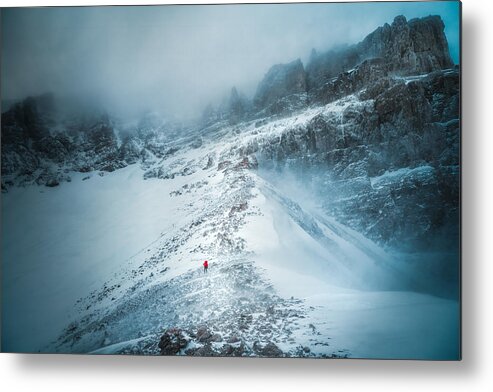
(23, 122)
(402, 48)
(414, 47)
(40, 146)
(282, 81)
(23, 129)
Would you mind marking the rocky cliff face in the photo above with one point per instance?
(41, 146)
(414, 47)
(405, 48)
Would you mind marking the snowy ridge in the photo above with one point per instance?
(352, 257)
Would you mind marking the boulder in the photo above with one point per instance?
(172, 342)
(233, 339)
(269, 350)
(52, 182)
(203, 334)
(204, 351)
(216, 338)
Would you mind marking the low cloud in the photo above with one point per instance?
(176, 59)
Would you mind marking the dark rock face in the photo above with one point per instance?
(402, 48)
(363, 75)
(37, 146)
(280, 82)
(21, 126)
(414, 47)
(24, 121)
(56, 148)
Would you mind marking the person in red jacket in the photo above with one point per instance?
(206, 265)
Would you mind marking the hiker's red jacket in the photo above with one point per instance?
(206, 264)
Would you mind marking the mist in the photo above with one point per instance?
(412, 268)
(177, 59)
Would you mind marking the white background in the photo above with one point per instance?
(473, 373)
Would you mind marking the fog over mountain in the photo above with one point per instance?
(177, 59)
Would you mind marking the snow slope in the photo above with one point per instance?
(59, 244)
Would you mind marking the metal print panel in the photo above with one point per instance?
(232, 180)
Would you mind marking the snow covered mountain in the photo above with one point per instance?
(328, 208)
